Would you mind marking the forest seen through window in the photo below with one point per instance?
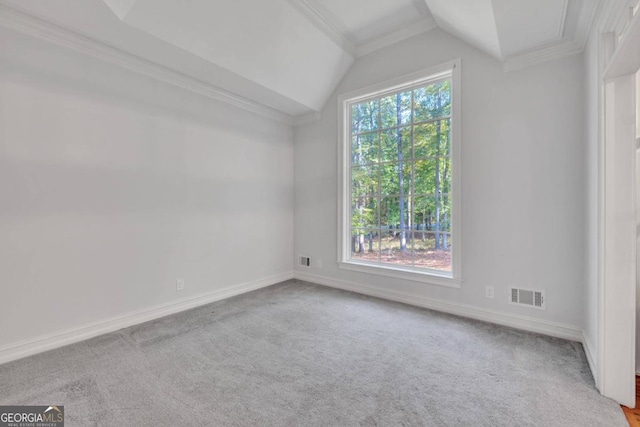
(401, 178)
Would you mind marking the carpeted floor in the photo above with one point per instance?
(297, 354)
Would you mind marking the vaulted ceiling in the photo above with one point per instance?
(288, 56)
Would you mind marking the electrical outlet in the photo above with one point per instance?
(179, 284)
(318, 263)
(488, 291)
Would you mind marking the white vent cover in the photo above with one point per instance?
(304, 261)
(529, 297)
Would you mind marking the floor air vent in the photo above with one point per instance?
(304, 261)
(528, 297)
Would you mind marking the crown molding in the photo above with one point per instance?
(563, 21)
(422, 26)
(331, 27)
(539, 56)
(422, 7)
(559, 50)
(306, 118)
(625, 59)
(30, 25)
(612, 12)
(586, 21)
(325, 22)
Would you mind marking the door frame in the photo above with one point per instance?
(616, 317)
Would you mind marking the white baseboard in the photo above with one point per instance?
(515, 321)
(62, 338)
(593, 365)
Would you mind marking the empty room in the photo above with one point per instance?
(319, 212)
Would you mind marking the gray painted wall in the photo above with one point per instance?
(114, 185)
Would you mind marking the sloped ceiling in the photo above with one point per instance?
(525, 25)
(518, 32)
(288, 56)
(469, 20)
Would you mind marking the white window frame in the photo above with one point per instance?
(451, 279)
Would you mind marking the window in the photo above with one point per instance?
(399, 165)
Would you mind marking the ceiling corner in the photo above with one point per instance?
(306, 118)
(586, 21)
(120, 8)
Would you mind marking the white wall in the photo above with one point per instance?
(113, 185)
(523, 182)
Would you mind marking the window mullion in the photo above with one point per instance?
(379, 189)
(413, 251)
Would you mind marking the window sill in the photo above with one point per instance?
(428, 277)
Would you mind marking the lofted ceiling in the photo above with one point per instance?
(284, 58)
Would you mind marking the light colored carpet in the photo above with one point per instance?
(297, 354)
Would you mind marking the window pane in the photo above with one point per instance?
(364, 117)
(445, 174)
(419, 213)
(364, 180)
(405, 107)
(409, 254)
(400, 175)
(445, 214)
(431, 213)
(432, 101)
(424, 176)
(388, 112)
(406, 167)
(407, 144)
(391, 179)
(391, 139)
(364, 212)
(388, 146)
(393, 214)
(395, 247)
(432, 139)
(365, 244)
(364, 149)
(395, 110)
(441, 143)
(432, 176)
(432, 252)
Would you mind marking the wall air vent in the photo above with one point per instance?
(528, 297)
(304, 261)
